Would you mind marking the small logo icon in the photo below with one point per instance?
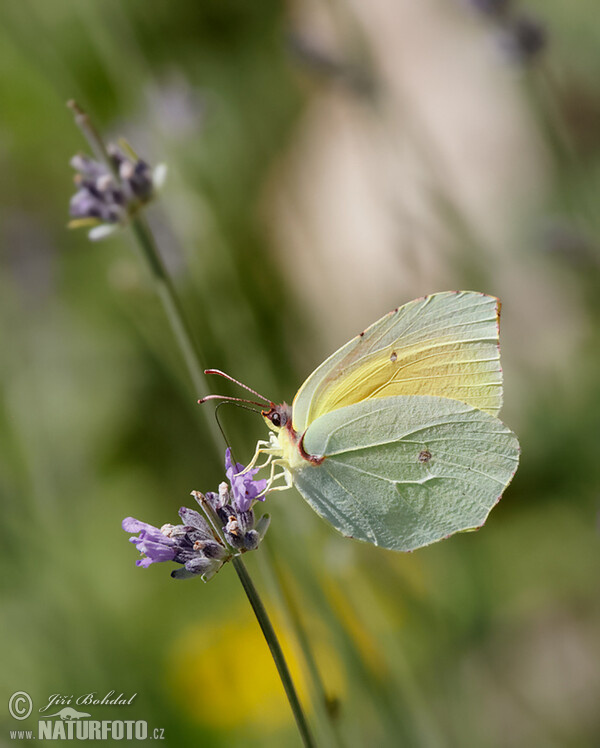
(69, 715)
(20, 705)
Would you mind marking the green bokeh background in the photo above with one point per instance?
(487, 639)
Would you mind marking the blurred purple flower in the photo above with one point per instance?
(489, 7)
(520, 36)
(108, 196)
(524, 38)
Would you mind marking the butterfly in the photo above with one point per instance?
(394, 439)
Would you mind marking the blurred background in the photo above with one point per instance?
(328, 161)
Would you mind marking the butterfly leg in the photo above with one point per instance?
(260, 467)
(270, 448)
(285, 474)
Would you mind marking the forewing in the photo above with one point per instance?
(404, 472)
(445, 345)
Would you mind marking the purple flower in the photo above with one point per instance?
(239, 529)
(193, 545)
(152, 542)
(244, 488)
(108, 197)
(202, 548)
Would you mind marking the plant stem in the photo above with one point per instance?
(177, 320)
(93, 137)
(276, 652)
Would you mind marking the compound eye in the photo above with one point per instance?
(276, 420)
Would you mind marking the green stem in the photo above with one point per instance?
(276, 652)
(177, 320)
(93, 137)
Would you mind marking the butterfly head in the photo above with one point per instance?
(278, 416)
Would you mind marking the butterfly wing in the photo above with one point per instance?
(403, 472)
(444, 345)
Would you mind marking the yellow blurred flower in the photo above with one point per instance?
(224, 676)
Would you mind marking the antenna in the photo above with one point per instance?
(236, 381)
(226, 398)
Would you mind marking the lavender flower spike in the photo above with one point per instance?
(199, 546)
(109, 196)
